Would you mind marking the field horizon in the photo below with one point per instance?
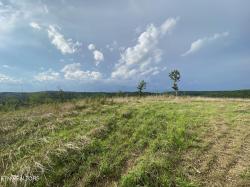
(228, 90)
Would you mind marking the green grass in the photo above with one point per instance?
(139, 142)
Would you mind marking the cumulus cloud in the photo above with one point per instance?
(66, 46)
(74, 72)
(202, 42)
(35, 25)
(97, 55)
(7, 79)
(91, 47)
(49, 75)
(142, 59)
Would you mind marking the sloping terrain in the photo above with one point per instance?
(149, 141)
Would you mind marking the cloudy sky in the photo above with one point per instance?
(96, 45)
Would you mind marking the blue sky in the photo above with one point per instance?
(96, 45)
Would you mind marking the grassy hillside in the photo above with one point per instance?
(148, 141)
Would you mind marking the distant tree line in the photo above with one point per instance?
(15, 100)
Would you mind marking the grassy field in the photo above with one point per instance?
(148, 141)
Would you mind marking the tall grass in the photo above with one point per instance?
(101, 141)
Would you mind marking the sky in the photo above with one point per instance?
(96, 45)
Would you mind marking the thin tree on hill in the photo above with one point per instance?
(175, 76)
(141, 86)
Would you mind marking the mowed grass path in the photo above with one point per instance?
(152, 141)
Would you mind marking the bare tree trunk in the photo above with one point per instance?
(140, 93)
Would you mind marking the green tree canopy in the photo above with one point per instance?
(175, 76)
(141, 86)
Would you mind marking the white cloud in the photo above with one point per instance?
(14, 13)
(97, 55)
(8, 17)
(6, 79)
(74, 72)
(49, 75)
(35, 25)
(142, 59)
(168, 25)
(202, 42)
(62, 44)
(91, 47)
